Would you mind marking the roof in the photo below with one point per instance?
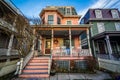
(61, 10)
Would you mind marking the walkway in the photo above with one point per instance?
(76, 76)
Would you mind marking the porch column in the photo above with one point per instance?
(10, 44)
(88, 38)
(109, 46)
(93, 44)
(11, 39)
(70, 41)
(52, 38)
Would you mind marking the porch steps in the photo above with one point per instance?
(37, 67)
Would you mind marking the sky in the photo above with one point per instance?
(32, 8)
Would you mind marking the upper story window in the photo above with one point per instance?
(50, 19)
(100, 27)
(98, 13)
(58, 20)
(117, 25)
(69, 22)
(68, 11)
(114, 13)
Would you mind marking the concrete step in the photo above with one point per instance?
(34, 76)
(37, 64)
(34, 71)
(36, 67)
(39, 61)
(41, 58)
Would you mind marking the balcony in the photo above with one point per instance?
(6, 26)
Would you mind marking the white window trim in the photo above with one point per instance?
(114, 15)
(98, 13)
(101, 27)
(67, 21)
(117, 26)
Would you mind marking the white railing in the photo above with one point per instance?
(49, 65)
(7, 25)
(23, 61)
(74, 52)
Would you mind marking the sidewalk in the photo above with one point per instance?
(76, 76)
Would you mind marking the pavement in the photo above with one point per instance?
(99, 75)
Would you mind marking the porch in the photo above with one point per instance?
(63, 40)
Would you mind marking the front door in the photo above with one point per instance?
(101, 46)
(48, 46)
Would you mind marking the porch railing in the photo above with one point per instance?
(4, 24)
(74, 52)
(3, 52)
(114, 56)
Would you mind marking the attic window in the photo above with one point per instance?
(98, 13)
(68, 11)
(114, 13)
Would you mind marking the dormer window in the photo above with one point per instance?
(98, 13)
(68, 11)
(114, 13)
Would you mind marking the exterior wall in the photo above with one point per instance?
(63, 20)
(51, 13)
(7, 67)
(73, 20)
(76, 42)
(109, 26)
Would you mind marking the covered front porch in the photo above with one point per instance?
(63, 40)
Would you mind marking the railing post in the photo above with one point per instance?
(21, 66)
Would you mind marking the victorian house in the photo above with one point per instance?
(61, 36)
(105, 36)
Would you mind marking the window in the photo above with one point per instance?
(58, 20)
(117, 25)
(114, 13)
(50, 19)
(101, 27)
(69, 22)
(98, 13)
(68, 11)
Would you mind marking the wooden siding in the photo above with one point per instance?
(109, 26)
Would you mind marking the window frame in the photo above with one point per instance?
(69, 21)
(117, 26)
(114, 13)
(98, 13)
(51, 21)
(100, 27)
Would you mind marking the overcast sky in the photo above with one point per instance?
(32, 8)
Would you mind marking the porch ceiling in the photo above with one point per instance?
(60, 32)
